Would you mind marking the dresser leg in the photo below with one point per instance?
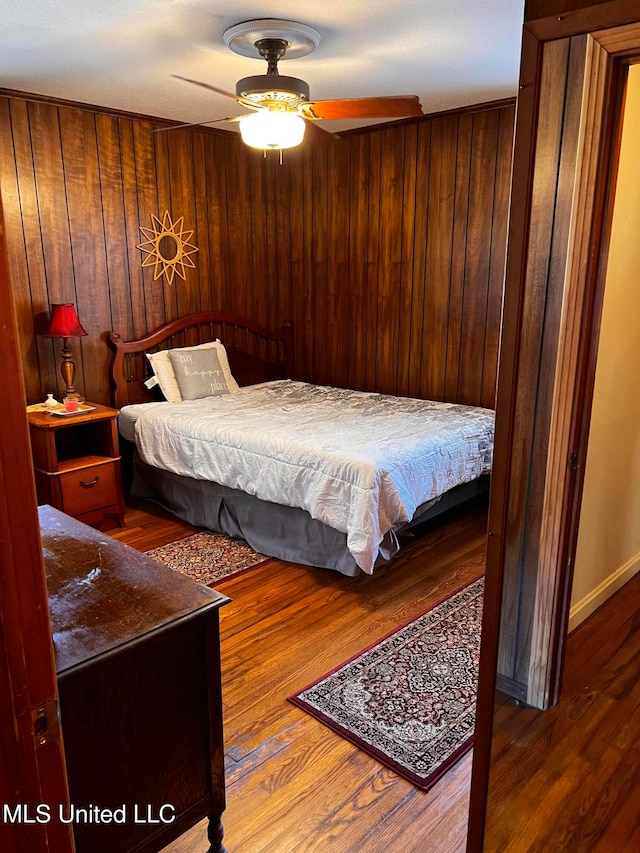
(214, 834)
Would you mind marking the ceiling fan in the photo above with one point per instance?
(281, 109)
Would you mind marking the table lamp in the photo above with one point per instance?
(64, 324)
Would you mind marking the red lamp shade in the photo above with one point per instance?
(64, 322)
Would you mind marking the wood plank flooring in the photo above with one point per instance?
(292, 784)
(567, 779)
(563, 780)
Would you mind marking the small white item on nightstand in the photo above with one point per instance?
(51, 402)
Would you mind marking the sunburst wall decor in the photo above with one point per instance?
(167, 247)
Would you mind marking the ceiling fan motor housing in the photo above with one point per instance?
(275, 87)
(272, 40)
(272, 85)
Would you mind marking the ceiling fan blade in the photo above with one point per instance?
(195, 124)
(393, 106)
(206, 86)
(314, 133)
(242, 101)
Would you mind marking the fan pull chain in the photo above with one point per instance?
(264, 154)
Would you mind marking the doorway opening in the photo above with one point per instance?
(608, 544)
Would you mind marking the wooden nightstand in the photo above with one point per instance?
(77, 464)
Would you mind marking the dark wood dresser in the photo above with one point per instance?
(138, 663)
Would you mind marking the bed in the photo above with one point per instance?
(327, 477)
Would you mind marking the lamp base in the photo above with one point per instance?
(68, 371)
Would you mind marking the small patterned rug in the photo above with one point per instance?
(410, 699)
(208, 557)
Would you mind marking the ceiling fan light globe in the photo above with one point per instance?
(272, 130)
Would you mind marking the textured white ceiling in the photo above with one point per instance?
(121, 53)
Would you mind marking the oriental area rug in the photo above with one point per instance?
(208, 558)
(409, 700)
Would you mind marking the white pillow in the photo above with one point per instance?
(166, 376)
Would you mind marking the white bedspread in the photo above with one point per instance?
(359, 462)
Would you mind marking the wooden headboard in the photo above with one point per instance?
(255, 353)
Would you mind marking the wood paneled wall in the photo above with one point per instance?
(385, 249)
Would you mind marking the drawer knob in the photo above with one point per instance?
(88, 485)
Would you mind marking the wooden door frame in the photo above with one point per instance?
(33, 770)
(571, 400)
(614, 40)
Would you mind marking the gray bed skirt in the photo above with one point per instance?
(285, 532)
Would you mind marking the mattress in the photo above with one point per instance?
(359, 462)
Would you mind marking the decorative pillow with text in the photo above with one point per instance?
(198, 373)
(165, 374)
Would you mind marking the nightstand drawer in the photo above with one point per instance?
(89, 488)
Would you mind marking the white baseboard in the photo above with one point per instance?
(590, 603)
